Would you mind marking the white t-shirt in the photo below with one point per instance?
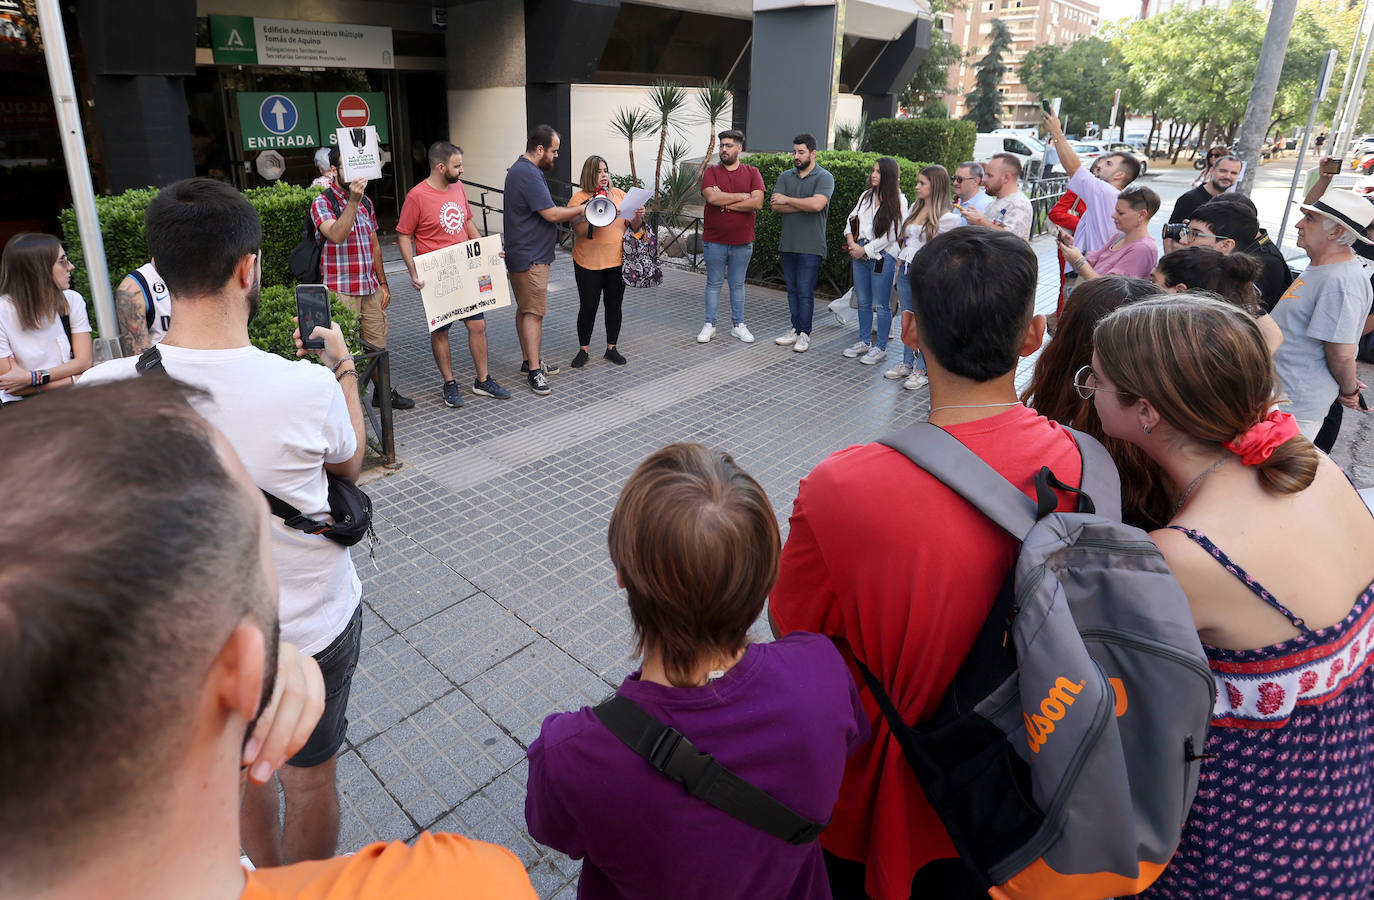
(286, 420)
(46, 348)
(865, 211)
(1326, 304)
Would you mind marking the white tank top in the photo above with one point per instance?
(158, 302)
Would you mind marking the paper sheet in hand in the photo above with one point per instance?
(463, 280)
(359, 155)
(635, 198)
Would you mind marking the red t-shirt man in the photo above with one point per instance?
(905, 585)
(726, 226)
(436, 219)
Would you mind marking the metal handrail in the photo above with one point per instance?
(1044, 193)
(377, 360)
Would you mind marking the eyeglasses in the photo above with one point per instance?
(1082, 383)
(1215, 155)
(1191, 233)
(960, 179)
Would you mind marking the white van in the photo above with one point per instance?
(1030, 151)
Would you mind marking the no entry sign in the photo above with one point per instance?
(352, 110)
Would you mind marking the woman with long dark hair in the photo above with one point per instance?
(597, 258)
(1275, 551)
(1051, 392)
(931, 214)
(871, 237)
(45, 334)
(1230, 277)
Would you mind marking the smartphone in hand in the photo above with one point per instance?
(1331, 167)
(312, 308)
(1045, 105)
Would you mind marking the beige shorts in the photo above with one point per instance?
(531, 289)
(371, 317)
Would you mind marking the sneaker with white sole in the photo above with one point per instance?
(917, 381)
(874, 356)
(742, 332)
(802, 344)
(897, 372)
(707, 332)
(855, 350)
(788, 339)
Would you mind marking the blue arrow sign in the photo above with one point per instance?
(278, 114)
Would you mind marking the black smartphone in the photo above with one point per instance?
(1363, 405)
(1332, 167)
(1045, 105)
(312, 308)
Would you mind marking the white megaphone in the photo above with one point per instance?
(600, 211)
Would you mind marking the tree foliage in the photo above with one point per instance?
(1084, 74)
(925, 94)
(985, 100)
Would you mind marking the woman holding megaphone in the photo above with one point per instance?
(597, 257)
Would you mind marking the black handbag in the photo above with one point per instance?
(349, 505)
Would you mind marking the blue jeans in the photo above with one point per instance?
(720, 259)
(800, 271)
(911, 357)
(874, 294)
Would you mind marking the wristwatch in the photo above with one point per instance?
(39, 377)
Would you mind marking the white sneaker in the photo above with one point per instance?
(855, 350)
(788, 339)
(708, 331)
(874, 356)
(742, 332)
(803, 343)
(917, 381)
(897, 372)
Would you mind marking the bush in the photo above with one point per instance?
(851, 170)
(281, 208)
(946, 141)
(625, 182)
(271, 328)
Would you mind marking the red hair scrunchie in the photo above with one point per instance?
(1260, 440)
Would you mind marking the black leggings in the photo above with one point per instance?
(591, 285)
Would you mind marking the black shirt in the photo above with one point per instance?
(1189, 202)
(1275, 276)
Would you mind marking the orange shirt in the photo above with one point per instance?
(602, 251)
(438, 865)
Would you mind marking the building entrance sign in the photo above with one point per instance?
(279, 121)
(352, 111)
(248, 40)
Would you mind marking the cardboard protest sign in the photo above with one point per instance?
(463, 280)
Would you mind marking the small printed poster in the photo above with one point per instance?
(359, 153)
(463, 280)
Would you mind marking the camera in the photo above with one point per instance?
(1175, 231)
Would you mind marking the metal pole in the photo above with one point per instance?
(1323, 83)
(1255, 125)
(1352, 108)
(79, 174)
(1349, 76)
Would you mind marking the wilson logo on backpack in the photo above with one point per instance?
(1052, 709)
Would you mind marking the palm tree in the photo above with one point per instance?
(633, 124)
(667, 99)
(712, 100)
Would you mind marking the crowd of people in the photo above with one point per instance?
(176, 661)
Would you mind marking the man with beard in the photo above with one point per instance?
(734, 194)
(801, 197)
(1225, 173)
(351, 264)
(289, 422)
(436, 215)
(529, 230)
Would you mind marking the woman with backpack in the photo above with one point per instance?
(45, 334)
(1275, 551)
(871, 237)
(931, 214)
(695, 545)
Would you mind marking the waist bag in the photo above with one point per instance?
(669, 751)
(1064, 757)
(349, 505)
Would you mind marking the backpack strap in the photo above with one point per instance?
(1101, 482)
(668, 751)
(148, 314)
(150, 363)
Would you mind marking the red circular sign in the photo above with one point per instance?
(353, 112)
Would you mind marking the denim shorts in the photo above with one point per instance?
(337, 663)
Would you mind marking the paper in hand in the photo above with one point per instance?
(359, 155)
(635, 199)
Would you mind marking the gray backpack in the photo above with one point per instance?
(1064, 757)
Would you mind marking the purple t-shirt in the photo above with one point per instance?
(1135, 260)
(784, 718)
(1096, 228)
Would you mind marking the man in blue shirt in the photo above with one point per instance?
(968, 189)
(530, 227)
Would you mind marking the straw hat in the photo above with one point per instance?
(1346, 208)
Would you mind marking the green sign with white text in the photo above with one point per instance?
(280, 121)
(234, 40)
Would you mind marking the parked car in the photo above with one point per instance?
(1030, 151)
(1106, 148)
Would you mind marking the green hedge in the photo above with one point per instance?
(271, 328)
(946, 141)
(851, 170)
(281, 207)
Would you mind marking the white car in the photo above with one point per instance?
(1107, 148)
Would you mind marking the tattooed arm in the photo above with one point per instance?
(131, 307)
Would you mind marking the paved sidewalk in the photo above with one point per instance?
(492, 601)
